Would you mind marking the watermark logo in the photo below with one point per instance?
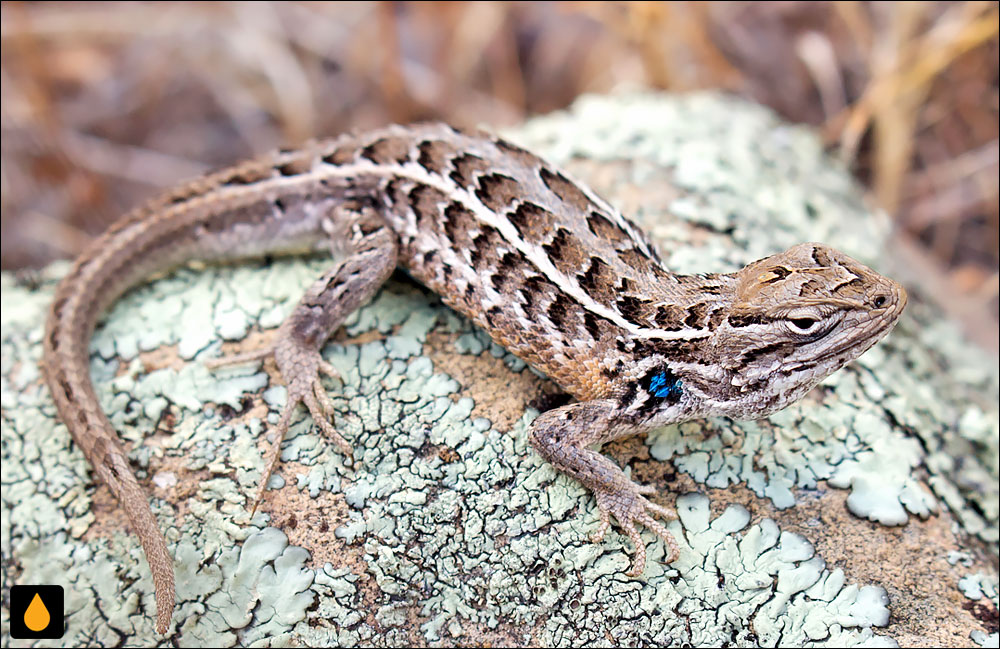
(36, 612)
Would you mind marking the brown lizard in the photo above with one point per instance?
(550, 270)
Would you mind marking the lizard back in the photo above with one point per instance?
(550, 270)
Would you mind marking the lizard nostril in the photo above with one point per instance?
(880, 301)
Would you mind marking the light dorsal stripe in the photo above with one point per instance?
(537, 256)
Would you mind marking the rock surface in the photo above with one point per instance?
(864, 514)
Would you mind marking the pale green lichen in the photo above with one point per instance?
(978, 587)
(488, 538)
(752, 190)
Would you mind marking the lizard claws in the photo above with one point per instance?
(300, 367)
(630, 507)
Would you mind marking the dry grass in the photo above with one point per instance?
(105, 103)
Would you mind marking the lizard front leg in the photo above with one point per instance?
(562, 436)
(371, 250)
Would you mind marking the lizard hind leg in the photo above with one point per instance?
(562, 436)
(370, 251)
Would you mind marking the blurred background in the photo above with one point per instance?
(105, 104)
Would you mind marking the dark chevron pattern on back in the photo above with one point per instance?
(550, 270)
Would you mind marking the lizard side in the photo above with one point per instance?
(550, 270)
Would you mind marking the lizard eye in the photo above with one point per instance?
(804, 325)
(810, 324)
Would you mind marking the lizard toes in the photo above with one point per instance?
(274, 452)
(663, 533)
(324, 399)
(239, 359)
(321, 416)
(329, 370)
(639, 560)
(664, 512)
(630, 509)
(605, 524)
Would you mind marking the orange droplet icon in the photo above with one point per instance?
(36, 617)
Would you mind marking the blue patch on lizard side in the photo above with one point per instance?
(662, 384)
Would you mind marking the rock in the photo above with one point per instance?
(864, 514)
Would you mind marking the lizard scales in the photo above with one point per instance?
(549, 269)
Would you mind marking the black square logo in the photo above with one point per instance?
(36, 612)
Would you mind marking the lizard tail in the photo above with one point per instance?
(128, 492)
(159, 235)
(66, 368)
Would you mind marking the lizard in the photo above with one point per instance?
(549, 269)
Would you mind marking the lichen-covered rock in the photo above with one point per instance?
(864, 514)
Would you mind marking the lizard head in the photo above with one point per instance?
(797, 317)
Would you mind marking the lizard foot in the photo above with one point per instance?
(629, 507)
(301, 368)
